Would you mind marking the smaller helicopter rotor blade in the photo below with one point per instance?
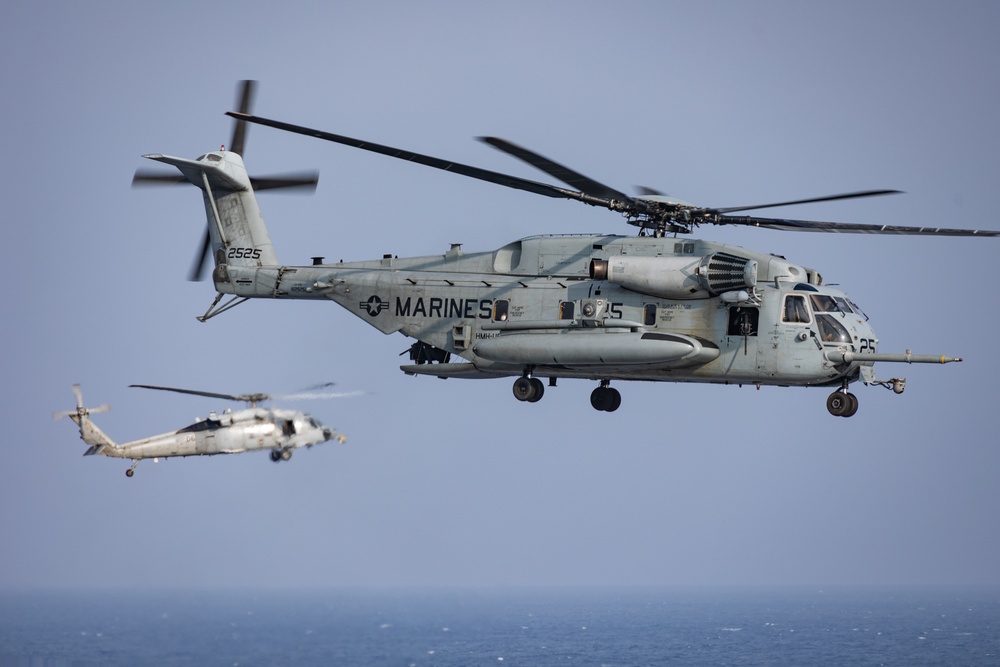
(429, 161)
(305, 180)
(317, 395)
(99, 408)
(847, 227)
(146, 177)
(248, 89)
(813, 200)
(197, 271)
(79, 395)
(555, 170)
(193, 392)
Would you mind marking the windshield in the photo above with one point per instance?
(832, 331)
(824, 303)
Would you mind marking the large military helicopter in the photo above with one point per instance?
(280, 431)
(658, 306)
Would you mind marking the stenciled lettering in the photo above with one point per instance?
(444, 308)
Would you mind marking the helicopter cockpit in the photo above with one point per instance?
(828, 311)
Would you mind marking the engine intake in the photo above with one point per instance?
(678, 277)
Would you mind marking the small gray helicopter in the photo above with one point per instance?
(280, 431)
(654, 307)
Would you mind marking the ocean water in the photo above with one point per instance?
(503, 627)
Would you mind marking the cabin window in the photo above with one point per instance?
(743, 321)
(795, 310)
(649, 314)
(501, 307)
(567, 309)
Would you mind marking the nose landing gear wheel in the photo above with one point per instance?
(842, 404)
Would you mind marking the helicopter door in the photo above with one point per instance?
(794, 340)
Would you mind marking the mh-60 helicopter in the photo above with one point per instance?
(655, 307)
(280, 431)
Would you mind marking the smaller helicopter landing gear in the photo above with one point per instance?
(605, 398)
(527, 388)
(286, 454)
(131, 471)
(275, 455)
(842, 403)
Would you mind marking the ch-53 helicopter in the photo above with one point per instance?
(657, 306)
(254, 428)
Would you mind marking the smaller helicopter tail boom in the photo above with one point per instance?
(89, 432)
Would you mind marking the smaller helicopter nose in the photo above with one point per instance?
(327, 433)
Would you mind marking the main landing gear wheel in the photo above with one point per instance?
(275, 455)
(528, 389)
(842, 404)
(605, 399)
(286, 454)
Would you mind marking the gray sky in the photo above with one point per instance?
(452, 483)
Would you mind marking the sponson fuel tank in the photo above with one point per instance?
(574, 349)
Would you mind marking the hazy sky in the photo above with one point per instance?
(457, 483)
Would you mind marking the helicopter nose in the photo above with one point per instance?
(327, 434)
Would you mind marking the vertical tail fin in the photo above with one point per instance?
(89, 432)
(236, 236)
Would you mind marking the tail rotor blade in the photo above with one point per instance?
(144, 177)
(200, 260)
(305, 180)
(245, 101)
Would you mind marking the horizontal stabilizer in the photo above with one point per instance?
(193, 170)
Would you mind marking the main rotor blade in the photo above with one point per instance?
(209, 394)
(846, 227)
(429, 161)
(554, 169)
(197, 271)
(317, 395)
(244, 102)
(849, 195)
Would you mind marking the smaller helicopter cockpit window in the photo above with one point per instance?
(795, 311)
(832, 331)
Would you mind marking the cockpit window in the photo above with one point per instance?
(823, 303)
(795, 311)
(857, 310)
(843, 304)
(832, 331)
